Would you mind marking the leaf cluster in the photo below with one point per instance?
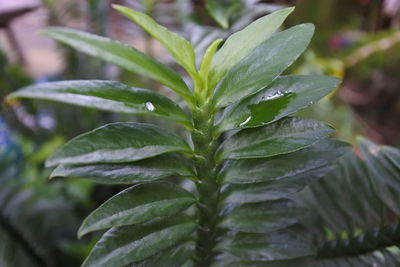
(243, 161)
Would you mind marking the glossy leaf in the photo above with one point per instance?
(121, 55)
(226, 260)
(285, 136)
(106, 95)
(179, 47)
(173, 257)
(263, 65)
(274, 189)
(276, 246)
(241, 43)
(129, 244)
(146, 170)
(246, 171)
(138, 204)
(263, 217)
(286, 95)
(118, 142)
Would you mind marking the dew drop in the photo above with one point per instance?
(149, 106)
(246, 121)
(273, 96)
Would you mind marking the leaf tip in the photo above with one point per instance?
(11, 98)
(288, 10)
(81, 232)
(124, 10)
(336, 80)
(117, 7)
(46, 31)
(54, 173)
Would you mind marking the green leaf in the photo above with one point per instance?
(277, 246)
(286, 95)
(179, 47)
(146, 170)
(118, 142)
(173, 257)
(285, 136)
(246, 171)
(263, 65)
(207, 60)
(227, 261)
(392, 154)
(221, 10)
(381, 165)
(129, 244)
(241, 43)
(107, 95)
(138, 204)
(272, 190)
(349, 209)
(263, 217)
(121, 55)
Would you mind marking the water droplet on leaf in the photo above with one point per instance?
(274, 95)
(246, 121)
(149, 106)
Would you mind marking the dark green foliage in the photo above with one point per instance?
(355, 210)
(36, 220)
(239, 207)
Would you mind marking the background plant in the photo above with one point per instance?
(354, 210)
(242, 159)
(38, 220)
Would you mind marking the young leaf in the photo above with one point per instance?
(118, 142)
(138, 204)
(285, 136)
(121, 55)
(179, 47)
(145, 170)
(263, 217)
(206, 63)
(106, 95)
(246, 171)
(129, 244)
(241, 43)
(286, 95)
(263, 65)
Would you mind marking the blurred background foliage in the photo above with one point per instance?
(355, 40)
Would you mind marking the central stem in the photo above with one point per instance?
(205, 147)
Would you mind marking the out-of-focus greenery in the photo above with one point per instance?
(11, 76)
(38, 219)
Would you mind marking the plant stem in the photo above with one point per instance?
(205, 147)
